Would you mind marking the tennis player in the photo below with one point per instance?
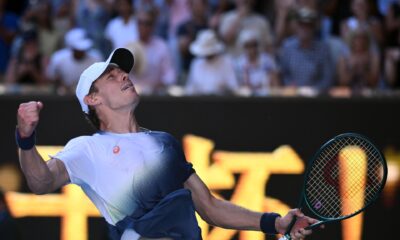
(138, 179)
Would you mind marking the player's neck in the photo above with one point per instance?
(120, 123)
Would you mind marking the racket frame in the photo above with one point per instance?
(303, 197)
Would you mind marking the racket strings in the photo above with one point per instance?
(326, 195)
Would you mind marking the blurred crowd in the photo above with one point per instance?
(206, 47)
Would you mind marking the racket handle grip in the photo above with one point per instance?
(289, 228)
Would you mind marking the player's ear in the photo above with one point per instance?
(91, 99)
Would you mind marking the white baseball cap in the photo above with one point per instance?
(77, 39)
(120, 56)
(206, 44)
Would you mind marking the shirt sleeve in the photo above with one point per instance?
(185, 169)
(76, 161)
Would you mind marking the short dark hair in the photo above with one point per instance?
(92, 117)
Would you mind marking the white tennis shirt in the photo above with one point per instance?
(126, 174)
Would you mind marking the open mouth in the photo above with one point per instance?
(127, 86)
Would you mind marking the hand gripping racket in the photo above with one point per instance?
(346, 175)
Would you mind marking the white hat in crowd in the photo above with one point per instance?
(120, 56)
(137, 50)
(248, 35)
(206, 44)
(77, 39)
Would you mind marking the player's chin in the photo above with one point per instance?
(132, 92)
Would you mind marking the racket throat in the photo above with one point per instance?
(317, 224)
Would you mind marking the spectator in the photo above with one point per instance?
(211, 72)
(392, 52)
(28, 20)
(363, 17)
(8, 29)
(170, 14)
(282, 25)
(328, 30)
(360, 69)
(243, 17)
(173, 13)
(328, 9)
(93, 16)
(312, 4)
(384, 5)
(161, 27)
(256, 70)
(305, 60)
(158, 72)
(67, 64)
(49, 37)
(392, 23)
(122, 29)
(27, 67)
(285, 17)
(333, 14)
(188, 30)
(178, 13)
(218, 9)
(63, 16)
(392, 67)
(8, 226)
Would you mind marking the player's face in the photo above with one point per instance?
(116, 91)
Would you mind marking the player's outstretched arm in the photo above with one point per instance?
(225, 214)
(219, 212)
(41, 177)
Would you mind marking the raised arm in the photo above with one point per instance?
(225, 214)
(42, 177)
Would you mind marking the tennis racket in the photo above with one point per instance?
(346, 175)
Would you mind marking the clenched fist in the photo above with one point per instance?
(28, 117)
